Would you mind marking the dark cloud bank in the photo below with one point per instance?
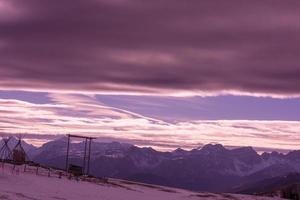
(151, 46)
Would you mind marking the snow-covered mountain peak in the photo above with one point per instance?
(213, 148)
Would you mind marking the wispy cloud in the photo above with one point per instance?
(79, 114)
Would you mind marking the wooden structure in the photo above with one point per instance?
(75, 170)
(85, 168)
(19, 155)
(5, 151)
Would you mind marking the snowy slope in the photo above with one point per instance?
(20, 185)
(212, 168)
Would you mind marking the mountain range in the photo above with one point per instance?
(212, 168)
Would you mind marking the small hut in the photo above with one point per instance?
(75, 170)
(19, 155)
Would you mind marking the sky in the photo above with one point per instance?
(164, 74)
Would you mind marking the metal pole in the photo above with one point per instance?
(67, 157)
(84, 158)
(89, 156)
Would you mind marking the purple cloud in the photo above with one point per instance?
(84, 115)
(151, 46)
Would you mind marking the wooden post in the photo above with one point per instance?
(89, 156)
(84, 158)
(67, 157)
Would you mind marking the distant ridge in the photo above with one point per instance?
(211, 168)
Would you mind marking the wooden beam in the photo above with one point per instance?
(84, 137)
(67, 157)
(89, 157)
(84, 158)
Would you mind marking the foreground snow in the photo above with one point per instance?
(19, 185)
